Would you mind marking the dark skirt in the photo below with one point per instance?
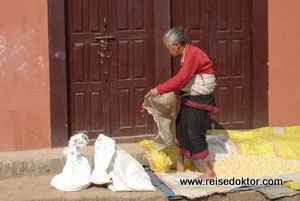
(191, 126)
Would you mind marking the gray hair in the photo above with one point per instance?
(176, 35)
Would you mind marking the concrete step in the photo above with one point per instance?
(45, 161)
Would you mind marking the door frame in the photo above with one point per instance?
(59, 128)
(260, 59)
(58, 73)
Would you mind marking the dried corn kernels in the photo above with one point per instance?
(253, 167)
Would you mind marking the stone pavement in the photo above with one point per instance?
(26, 175)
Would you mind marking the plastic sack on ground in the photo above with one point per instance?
(118, 169)
(77, 171)
(163, 110)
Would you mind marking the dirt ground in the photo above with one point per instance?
(38, 188)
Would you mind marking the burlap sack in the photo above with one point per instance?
(163, 110)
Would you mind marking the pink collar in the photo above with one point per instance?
(184, 52)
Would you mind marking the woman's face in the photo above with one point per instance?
(174, 49)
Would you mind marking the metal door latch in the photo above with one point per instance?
(104, 41)
(105, 37)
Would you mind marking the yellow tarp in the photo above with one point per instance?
(158, 159)
(293, 185)
(282, 142)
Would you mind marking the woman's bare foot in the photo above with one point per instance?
(208, 169)
(176, 166)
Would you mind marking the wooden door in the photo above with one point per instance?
(110, 50)
(81, 33)
(131, 64)
(221, 29)
(230, 50)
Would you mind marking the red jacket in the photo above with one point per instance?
(195, 62)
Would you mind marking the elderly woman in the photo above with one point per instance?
(195, 82)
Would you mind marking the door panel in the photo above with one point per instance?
(88, 88)
(231, 51)
(109, 76)
(131, 69)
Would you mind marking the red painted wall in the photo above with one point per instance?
(284, 65)
(24, 75)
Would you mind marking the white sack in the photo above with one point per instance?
(77, 171)
(117, 168)
(104, 151)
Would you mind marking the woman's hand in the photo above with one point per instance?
(152, 93)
